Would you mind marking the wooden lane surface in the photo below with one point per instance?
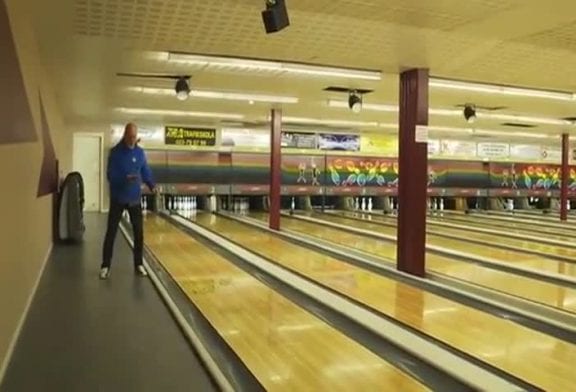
(530, 245)
(514, 219)
(553, 217)
(533, 356)
(512, 257)
(548, 294)
(532, 229)
(284, 346)
(516, 228)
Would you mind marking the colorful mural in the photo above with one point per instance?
(303, 170)
(458, 174)
(358, 171)
(189, 167)
(525, 176)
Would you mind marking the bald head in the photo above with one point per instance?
(130, 137)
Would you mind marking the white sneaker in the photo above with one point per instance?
(104, 273)
(141, 271)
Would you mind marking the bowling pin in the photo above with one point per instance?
(568, 205)
(356, 204)
(441, 204)
(435, 204)
(370, 204)
(293, 204)
(429, 204)
(363, 204)
(145, 204)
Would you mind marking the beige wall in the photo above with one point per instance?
(25, 232)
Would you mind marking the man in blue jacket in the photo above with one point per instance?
(127, 170)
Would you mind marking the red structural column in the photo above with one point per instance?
(413, 173)
(275, 168)
(565, 177)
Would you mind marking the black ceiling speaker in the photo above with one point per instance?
(275, 16)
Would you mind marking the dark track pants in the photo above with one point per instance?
(114, 216)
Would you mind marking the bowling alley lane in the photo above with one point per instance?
(531, 229)
(284, 346)
(532, 356)
(506, 219)
(513, 257)
(553, 216)
(529, 245)
(545, 293)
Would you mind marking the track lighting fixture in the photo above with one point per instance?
(182, 88)
(470, 113)
(355, 102)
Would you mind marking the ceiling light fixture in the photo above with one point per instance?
(470, 113)
(243, 64)
(355, 102)
(218, 95)
(180, 113)
(502, 90)
(182, 88)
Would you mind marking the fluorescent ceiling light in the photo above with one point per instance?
(337, 123)
(181, 113)
(456, 113)
(333, 103)
(271, 66)
(217, 95)
(502, 90)
(470, 131)
(450, 129)
(515, 134)
(510, 117)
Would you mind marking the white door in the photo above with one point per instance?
(87, 160)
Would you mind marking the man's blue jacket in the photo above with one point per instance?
(124, 161)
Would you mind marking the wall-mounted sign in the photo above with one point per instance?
(253, 138)
(551, 154)
(458, 148)
(387, 145)
(421, 135)
(339, 142)
(433, 147)
(525, 152)
(299, 140)
(183, 136)
(493, 150)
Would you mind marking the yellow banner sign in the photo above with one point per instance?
(183, 136)
(382, 144)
